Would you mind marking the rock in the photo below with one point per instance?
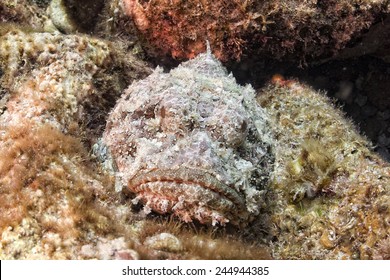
(310, 187)
(384, 115)
(292, 30)
(60, 17)
(361, 100)
(22, 12)
(368, 111)
(164, 242)
(51, 192)
(316, 145)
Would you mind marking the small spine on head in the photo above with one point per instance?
(208, 50)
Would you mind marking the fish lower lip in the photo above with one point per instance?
(182, 177)
(188, 193)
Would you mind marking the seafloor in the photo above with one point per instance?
(283, 154)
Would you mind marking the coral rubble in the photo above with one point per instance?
(51, 197)
(330, 191)
(22, 12)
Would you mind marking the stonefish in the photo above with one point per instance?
(192, 142)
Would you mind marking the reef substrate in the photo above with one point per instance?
(314, 189)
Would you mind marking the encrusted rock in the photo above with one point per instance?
(164, 242)
(293, 29)
(72, 15)
(22, 12)
(51, 195)
(106, 249)
(330, 193)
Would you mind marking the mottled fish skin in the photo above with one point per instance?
(192, 142)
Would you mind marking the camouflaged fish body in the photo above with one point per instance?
(192, 142)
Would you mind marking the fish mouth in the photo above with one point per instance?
(188, 193)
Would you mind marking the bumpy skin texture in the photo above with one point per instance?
(192, 142)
